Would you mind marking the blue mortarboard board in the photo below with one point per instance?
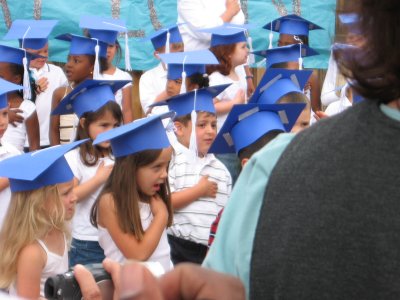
(276, 83)
(227, 34)
(198, 100)
(246, 123)
(141, 134)
(103, 29)
(292, 24)
(89, 96)
(191, 62)
(15, 55)
(5, 87)
(286, 53)
(159, 38)
(81, 45)
(37, 169)
(31, 33)
(351, 21)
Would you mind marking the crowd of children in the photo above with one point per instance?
(104, 185)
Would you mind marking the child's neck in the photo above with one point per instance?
(55, 241)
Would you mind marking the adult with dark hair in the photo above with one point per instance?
(331, 233)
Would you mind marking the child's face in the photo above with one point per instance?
(150, 177)
(206, 131)
(111, 50)
(303, 121)
(78, 68)
(3, 121)
(38, 63)
(240, 54)
(102, 124)
(173, 87)
(68, 198)
(6, 73)
(286, 40)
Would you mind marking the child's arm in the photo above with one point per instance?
(315, 92)
(83, 190)
(31, 262)
(54, 129)
(127, 104)
(224, 107)
(127, 243)
(204, 188)
(32, 131)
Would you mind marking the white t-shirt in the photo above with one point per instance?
(6, 151)
(152, 83)
(82, 229)
(193, 222)
(118, 75)
(199, 14)
(228, 94)
(17, 135)
(56, 78)
(161, 254)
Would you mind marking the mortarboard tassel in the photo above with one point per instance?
(26, 82)
(193, 141)
(167, 42)
(96, 69)
(300, 56)
(251, 59)
(271, 37)
(183, 85)
(128, 66)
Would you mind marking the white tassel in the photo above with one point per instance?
(183, 85)
(128, 66)
(193, 151)
(167, 43)
(300, 60)
(26, 82)
(96, 69)
(271, 37)
(251, 59)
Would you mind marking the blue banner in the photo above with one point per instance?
(143, 17)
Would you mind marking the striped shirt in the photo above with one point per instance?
(193, 222)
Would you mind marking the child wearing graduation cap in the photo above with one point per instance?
(285, 86)
(248, 128)
(14, 68)
(199, 182)
(107, 30)
(85, 61)
(292, 30)
(134, 208)
(34, 237)
(6, 150)
(94, 103)
(33, 37)
(152, 82)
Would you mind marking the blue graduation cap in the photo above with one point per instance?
(89, 96)
(197, 100)
(161, 37)
(286, 53)
(5, 87)
(246, 123)
(227, 34)
(102, 28)
(292, 24)
(31, 34)
(141, 134)
(190, 62)
(81, 45)
(351, 21)
(276, 83)
(37, 169)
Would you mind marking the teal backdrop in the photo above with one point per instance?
(145, 16)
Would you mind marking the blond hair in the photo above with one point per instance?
(30, 216)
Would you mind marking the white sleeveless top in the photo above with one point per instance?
(55, 264)
(161, 254)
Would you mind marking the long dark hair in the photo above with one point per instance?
(374, 68)
(222, 53)
(17, 69)
(90, 154)
(122, 185)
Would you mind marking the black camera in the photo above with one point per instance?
(64, 286)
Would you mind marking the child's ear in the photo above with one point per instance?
(178, 128)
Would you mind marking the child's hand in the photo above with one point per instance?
(320, 115)
(42, 85)
(307, 86)
(232, 6)
(158, 207)
(239, 97)
(103, 172)
(14, 116)
(208, 188)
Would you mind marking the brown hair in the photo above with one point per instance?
(223, 53)
(374, 67)
(122, 185)
(89, 153)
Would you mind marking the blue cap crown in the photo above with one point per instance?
(37, 169)
(103, 29)
(246, 123)
(89, 96)
(159, 38)
(142, 134)
(292, 24)
(227, 34)
(5, 87)
(81, 45)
